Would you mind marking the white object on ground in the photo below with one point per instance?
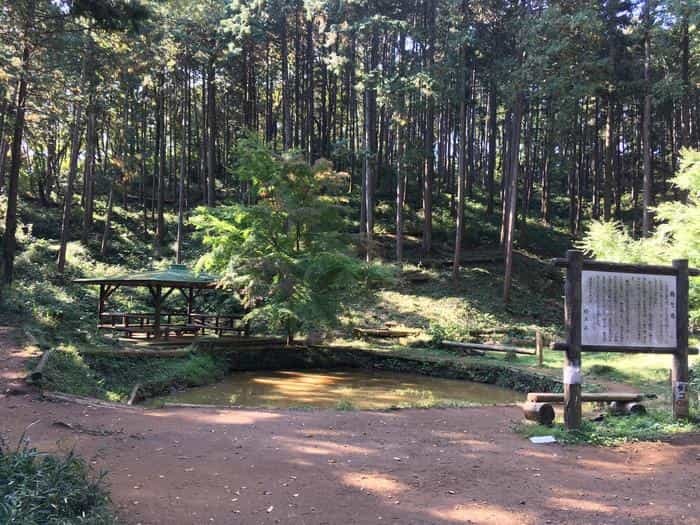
(542, 440)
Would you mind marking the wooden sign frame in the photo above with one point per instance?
(575, 264)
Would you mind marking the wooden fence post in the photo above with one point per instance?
(679, 369)
(572, 361)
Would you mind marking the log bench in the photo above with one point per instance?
(605, 397)
(538, 406)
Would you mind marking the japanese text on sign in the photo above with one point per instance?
(628, 309)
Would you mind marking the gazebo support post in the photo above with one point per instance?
(190, 299)
(101, 304)
(157, 300)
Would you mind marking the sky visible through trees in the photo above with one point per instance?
(550, 111)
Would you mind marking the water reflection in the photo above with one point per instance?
(362, 389)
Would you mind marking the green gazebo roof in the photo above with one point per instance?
(175, 276)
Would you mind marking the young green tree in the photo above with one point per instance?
(285, 254)
(676, 237)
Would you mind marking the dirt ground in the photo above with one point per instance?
(438, 466)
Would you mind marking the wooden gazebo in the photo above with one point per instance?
(162, 322)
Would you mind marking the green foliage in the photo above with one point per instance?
(50, 490)
(67, 371)
(615, 430)
(284, 253)
(676, 237)
(114, 377)
(344, 405)
(156, 375)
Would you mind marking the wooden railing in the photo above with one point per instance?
(132, 323)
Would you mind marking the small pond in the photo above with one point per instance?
(344, 388)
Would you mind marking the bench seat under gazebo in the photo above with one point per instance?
(163, 322)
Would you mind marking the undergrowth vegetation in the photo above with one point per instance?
(615, 430)
(37, 488)
(111, 378)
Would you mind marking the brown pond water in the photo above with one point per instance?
(347, 388)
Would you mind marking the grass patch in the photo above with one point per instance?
(157, 375)
(615, 430)
(344, 405)
(51, 490)
(112, 378)
(67, 371)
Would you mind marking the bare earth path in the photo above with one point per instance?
(200, 466)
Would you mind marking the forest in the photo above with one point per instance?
(548, 112)
(370, 193)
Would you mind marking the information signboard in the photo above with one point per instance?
(630, 310)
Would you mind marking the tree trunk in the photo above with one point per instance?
(491, 161)
(9, 239)
(513, 192)
(371, 145)
(160, 181)
(89, 171)
(286, 116)
(68, 194)
(685, 76)
(646, 123)
(181, 185)
(429, 136)
(108, 220)
(309, 60)
(211, 124)
(610, 145)
(461, 159)
(4, 113)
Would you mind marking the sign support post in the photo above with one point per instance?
(572, 361)
(679, 369)
(628, 308)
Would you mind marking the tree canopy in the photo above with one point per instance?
(557, 112)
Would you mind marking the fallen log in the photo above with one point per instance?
(134, 393)
(631, 408)
(542, 413)
(36, 375)
(606, 397)
(501, 330)
(451, 345)
(488, 348)
(383, 332)
(81, 400)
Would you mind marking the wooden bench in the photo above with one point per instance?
(150, 330)
(538, 406)
(605, 397)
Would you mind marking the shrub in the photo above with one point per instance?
(676, 237)
(50, 490)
